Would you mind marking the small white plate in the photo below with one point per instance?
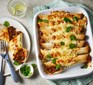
(75, 71)
(26, 38)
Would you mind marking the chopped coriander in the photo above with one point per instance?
(16, 63)
(34, 65)
(62, 43)
(54, 60)
(68, 29)
(25, 70)
(72, 37)
(45, 21)
(58, 66)
(67, 20)
(72, 45)
(48, 56)
(84, 66)
(39, 20)
(6, 23)
(75, 18)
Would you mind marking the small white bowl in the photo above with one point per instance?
(31, 68)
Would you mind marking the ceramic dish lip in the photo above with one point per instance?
(31, 68)
(57, 76)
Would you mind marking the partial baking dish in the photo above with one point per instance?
(59, 42)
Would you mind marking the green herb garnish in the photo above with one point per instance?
(34, 65)
(67, 20)
(6, 23)
(62, 43)
(48, 56)
(39, 20)
(58, 66)
(54, 60)
(75, 18)
(72, 37)
(72, 45)
(16, 63)
(68, 29)
(25, 70)
(84, 66)
(45, 21)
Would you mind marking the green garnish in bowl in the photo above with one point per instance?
(6, 23)
(26, 71)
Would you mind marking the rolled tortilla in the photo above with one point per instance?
(83, 50)
(55, 44)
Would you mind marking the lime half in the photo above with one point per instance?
(13, 11)
(20, 7)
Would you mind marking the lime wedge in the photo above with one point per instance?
(13, 11)
(20, 7)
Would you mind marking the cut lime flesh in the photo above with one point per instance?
(13, 11)
(20, 7)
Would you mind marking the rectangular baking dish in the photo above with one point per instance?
(74, 71)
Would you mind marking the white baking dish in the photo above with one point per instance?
(75, 71)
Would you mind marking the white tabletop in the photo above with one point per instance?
(36, 79)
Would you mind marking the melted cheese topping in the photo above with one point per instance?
(60, 36)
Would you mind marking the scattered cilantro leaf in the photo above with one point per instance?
(58, 66)
(39, 20)
(67, 20)
(45, 21)
(68, 29)
(54, 60)
(72, 45)
(6, 23)
(48, 56)
(75, 18)
(84, 66)
(62, 43)
(16, 63)
(72, 37)
(34, 65)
